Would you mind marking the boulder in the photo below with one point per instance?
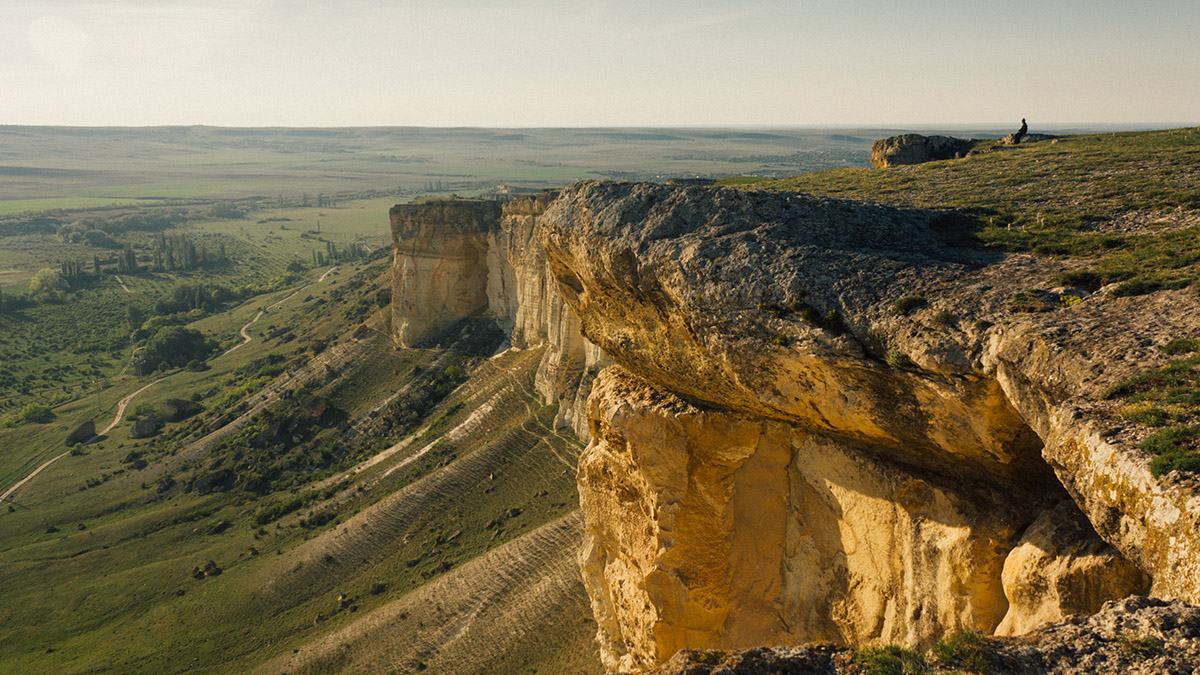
(145, 427)
(916, 149)
(176, 409)
(82, 434)
(1013, 139)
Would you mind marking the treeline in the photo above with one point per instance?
(180, 252)
(204, 297)
(98, 230)
(331, 255)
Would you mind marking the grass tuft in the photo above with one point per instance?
(906, 305)
(891, 660)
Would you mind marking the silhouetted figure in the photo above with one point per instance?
(1020, 132)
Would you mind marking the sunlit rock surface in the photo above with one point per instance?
(780, 455)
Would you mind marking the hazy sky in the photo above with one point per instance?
(647, 62)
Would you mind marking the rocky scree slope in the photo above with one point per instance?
(820, 422)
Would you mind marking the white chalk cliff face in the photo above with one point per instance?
(778, 456)
(463, 259)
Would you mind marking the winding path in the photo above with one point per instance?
(246, 337)
(116, 420)
(124, 403)
(122, 283)
(28, 478)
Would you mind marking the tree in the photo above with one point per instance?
(172, 346)
(135, 316)
(47, 282)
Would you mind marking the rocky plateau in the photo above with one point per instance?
(813, 420)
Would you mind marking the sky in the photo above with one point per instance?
(535, 63)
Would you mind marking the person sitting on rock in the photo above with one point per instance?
(1020, 132)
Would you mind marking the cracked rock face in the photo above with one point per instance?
(781, 455)
(762, 469)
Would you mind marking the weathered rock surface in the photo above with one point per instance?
(458, 259)
(439, 249)
(1012, 139)
(781, 456)
(1137, 635)
(145, 427)
(915, 149)
(177, 409)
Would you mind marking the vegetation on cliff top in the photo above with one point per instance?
(1121, 200)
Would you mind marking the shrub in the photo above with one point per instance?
(1146, 413)
(37, 412)
(983, 324)
(891, 660)
(899, 360)
(904, 306)
(1069, 300)
(1138, 286)
(1175, 448)
(1032, 300)
(1140, 645)
(1181, 346)
(963, 649)
(172, 346)
(943, 319)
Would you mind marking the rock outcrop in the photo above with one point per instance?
(916, 149)
(458, 259)
(1014, 139)
(778, 455)
(1137, 635)
(178, 409)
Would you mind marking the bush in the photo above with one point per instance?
(1032, 300)
(1181, 346)
(899, 360)
(172, 347)
(891, 660)
(1140, 645)
(1138, 286)
(905, 306)
(1146, 413)
(943, 319)
(37, 412)
(963, 649)
(1175, 448)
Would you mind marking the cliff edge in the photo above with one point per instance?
(821, 422)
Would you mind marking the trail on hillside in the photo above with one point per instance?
(246, 337)
(116, 420)
(124, 403)
(33, 473)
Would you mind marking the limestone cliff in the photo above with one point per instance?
(460, 259)
(781, 455)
